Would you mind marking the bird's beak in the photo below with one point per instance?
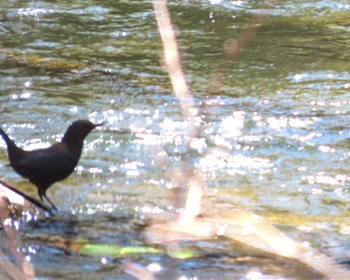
(98, 124)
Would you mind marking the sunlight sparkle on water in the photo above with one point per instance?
(221, 229)
(132, 168)
(7, 222)
(231, 126)
(254, 275)
(95, 170)
(215, 101)
(35, 144)
(307, 137)
(339, 192)
(300, 123)
(29, 217)
(237, 3)
(277, 123)
(32, 250)
(24, 95)
(326, 149)
(133, 111)
(79, 169)
(149, 209)
(215, 2)
(113, 169)
(316, 191)
(148, 138)
(198, 144)
(250, 138)
(74, 109)
(305, 228)
(133, 173)
(91, 209)
(185, 278)
(33, 12)
(221, 141)
(298, 77)
(321, 178)
(236, 164)
(154, 267)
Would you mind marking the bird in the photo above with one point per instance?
(44, 167)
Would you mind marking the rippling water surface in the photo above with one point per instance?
(274, 138)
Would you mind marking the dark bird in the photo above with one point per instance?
(44, 167)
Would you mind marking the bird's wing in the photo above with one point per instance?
(48, 161)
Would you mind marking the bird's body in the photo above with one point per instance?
(44, 167)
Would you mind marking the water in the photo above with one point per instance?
(274, 139)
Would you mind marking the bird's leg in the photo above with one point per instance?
(43, 194)
(51, 203)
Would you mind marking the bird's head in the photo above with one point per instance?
(77, 131)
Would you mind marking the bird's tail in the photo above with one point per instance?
(8, 141)
(13, 151)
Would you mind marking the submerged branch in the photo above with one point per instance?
(182, 92)
(26, 197)
(25, 269)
